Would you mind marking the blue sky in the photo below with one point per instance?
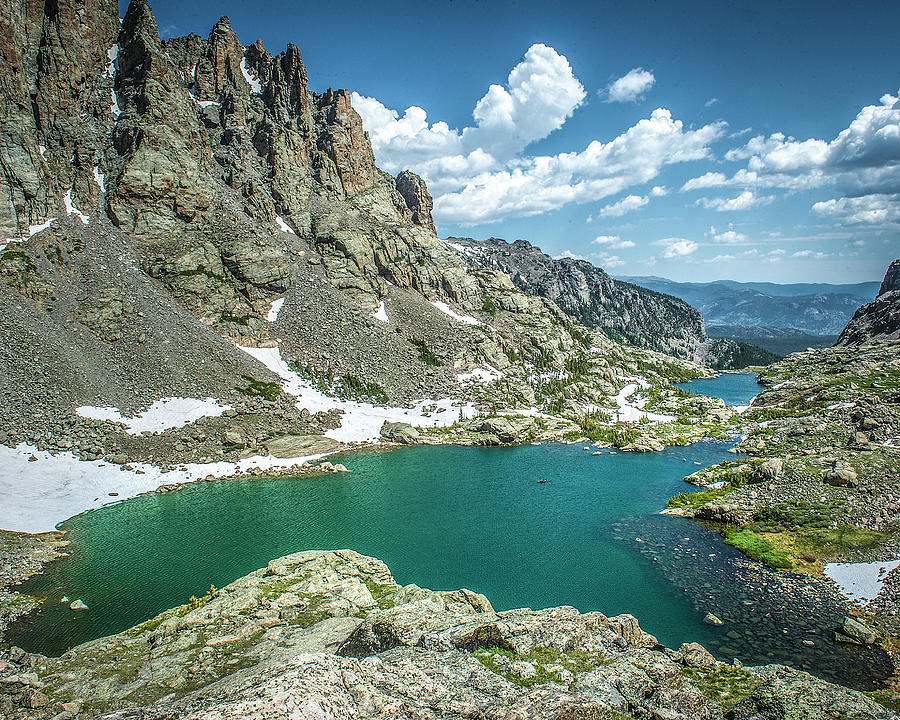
(696, 141)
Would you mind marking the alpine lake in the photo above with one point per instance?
(445, 517)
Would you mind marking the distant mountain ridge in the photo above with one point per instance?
(864, 289)
(625, 312)
(811, 308)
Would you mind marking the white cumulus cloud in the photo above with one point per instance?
(746, 200)
(862, 163)
(613, 242)
(625, 205)
(568, 254)
(875, 209)
(677, 247)
(479, 174)
(729, 237)
(631, 87)
(609, 261)
(708, 180)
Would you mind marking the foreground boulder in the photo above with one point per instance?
(324, 634)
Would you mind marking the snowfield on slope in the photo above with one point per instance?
(361, 422)
(173, 412)
(628, 410)
(39, 494)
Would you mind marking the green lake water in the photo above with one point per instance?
(733, 388)
(446, 517)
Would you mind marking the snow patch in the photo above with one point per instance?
(447, 310)
(43, 151)
(207, 103)
(114, 108)
(841, 405)
(627, 411)
(361, 422)
(100, 179)
(381, 313)
(275, 309)
(283, 225)
(35, 229)
(113, 66)
(860, 581)
(38, 495)
(482, 375)
(252, 80)
(72, 210)
(111, 69)
(162, 415)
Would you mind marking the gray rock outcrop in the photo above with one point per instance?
(878, 320)
(333, 630)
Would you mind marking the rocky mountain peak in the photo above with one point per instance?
(418, 199)
(891, 278)
(878, 320)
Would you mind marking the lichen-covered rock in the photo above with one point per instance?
(798, 696)
(645, 443)
(331, 632)
(400, 432)
(768, 470)
(841, 476)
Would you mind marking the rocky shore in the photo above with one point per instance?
(21, 556)
(330, 634)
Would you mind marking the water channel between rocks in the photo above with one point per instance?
(445, 517)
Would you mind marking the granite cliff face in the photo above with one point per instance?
(878, 320)
(624, 312)
(157, 197)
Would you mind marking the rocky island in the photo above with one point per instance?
(204, 275)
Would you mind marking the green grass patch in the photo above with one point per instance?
(383, 594)
(425, 354)
(258, 388)
(757, 547)
(696, 499)
(888, 699)
(575, 661)
(831, 543)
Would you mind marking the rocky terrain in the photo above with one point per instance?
(817, 480)
(622, 311)
(169, 203)
(879, 319)
(186, 220)
(330, 634)
(173, 207)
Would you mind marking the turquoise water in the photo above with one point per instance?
(733, 388)
(446, 517)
